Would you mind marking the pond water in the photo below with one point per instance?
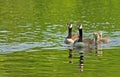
(40, 25)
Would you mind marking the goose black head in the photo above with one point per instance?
(80, 33)
(79, 26)
(69, 26)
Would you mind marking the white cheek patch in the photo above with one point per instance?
(81, 26)
(70, 40)
(70, 25)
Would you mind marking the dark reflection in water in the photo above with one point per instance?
(43, 23)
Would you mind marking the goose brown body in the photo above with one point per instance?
(84, 43)
(71, 40)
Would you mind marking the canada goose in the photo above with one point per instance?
(97, 44)
(80, 45)
(71, 37)
(83, 44)
(96, 37)
(70, 40)
(101, 39)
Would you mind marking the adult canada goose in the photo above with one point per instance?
(70, 40)
(82, 43)
(71, 37)
(79, 45)
(101, 39)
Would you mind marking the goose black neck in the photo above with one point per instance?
(69, 32)
(80, 35)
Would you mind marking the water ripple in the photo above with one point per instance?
(51, 38)
(13, 47)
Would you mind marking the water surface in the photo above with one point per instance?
(40, 25)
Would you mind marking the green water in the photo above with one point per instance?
(32, 34)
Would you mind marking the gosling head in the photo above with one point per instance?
(100, 34)
(95, 35)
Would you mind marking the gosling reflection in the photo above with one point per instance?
(98, 47)
(99, 40)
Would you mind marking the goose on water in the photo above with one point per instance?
(83, 43)
(103, 39)
(71, 37)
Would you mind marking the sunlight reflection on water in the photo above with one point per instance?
(51, 40)
(50, 37)
(13, 47)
